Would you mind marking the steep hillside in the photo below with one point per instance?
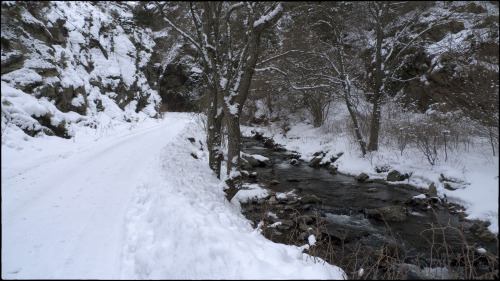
(67, 63)
(458, 56)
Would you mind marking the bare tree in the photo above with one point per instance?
(338, 33)
(397, 30)
(330, 63)
(227, 36)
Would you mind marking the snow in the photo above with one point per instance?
(223, 82)
(28, 18)
(249, 192)
(311, 239)
(23, 76)
(272, 215)
(256, 156)
(126, 63)
(78, 100)
(196, 70)
(233, 108)
(124, 200)
(19, 109)
(481, 250)
(268, 17)
(477, 169)
(275, 224)
(69, 63)
(361, 271)
(128, 202)
(420, 196)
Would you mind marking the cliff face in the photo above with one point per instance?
(69, 62)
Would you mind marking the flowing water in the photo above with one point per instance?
(344, 200)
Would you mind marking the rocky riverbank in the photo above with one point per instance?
(361, 224)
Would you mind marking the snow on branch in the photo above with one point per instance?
(235, 6)
(271, 69)
(281, 55)
(310, 87)
(269, 17)
(184, 34)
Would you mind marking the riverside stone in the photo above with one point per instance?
(396, 176)
(310, 199)
(432, 190)
(388, 213)
(314, 163)
(362, 177)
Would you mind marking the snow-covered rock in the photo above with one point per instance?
(73, 58)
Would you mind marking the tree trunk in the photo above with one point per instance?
(233, 155)
(377, 89)
(355, 122)
(375, 124)
(211, 131)
(492, 140)
(347, 93)
(214, 139)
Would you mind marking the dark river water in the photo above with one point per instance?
(344, 200)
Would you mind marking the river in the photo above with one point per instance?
(347, 230)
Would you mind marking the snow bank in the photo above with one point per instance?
(182, 227)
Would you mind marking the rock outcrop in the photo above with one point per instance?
(77, 60)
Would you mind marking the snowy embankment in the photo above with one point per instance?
(477, 169)
(130, 203)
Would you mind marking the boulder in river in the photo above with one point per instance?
(334, 158)
(432, 190)
(388, 213)
(269, 143)
(272, 200)
(341, 234)
(315, 162)
(254, 162)
(258, 136)
(396, 176)
(362, 177)
(319, 153)
(310, 199)
(279, 148)
(332, 169)
(302, 236)
(448, 186)
(382, 168)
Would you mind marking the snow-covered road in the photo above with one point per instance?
(63, 210)
(128, 201)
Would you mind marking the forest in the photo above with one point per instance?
(415, 74)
